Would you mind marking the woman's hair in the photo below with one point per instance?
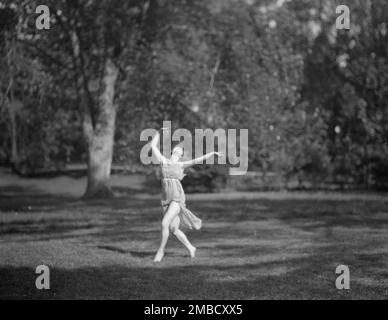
(178, 146)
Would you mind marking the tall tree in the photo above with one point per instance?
(85, 48)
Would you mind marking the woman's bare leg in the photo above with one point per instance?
(172, 212)
(182, 237)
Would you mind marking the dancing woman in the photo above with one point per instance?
(173, 197)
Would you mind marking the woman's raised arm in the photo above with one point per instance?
(199, 160)
(155, 150)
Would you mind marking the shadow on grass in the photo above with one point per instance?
(183, 282)
(119, 218)
(138, 254)
(297, 213)
(17, 198)
(52, 227)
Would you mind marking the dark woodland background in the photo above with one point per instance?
(314, 98)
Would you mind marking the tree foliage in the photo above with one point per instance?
(313, 97)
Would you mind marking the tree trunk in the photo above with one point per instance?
(100, 137)
(14, 149)
(13, 107)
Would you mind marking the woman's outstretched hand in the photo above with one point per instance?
(220, 154)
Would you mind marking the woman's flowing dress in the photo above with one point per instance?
(172, 190)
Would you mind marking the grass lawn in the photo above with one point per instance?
(253, 248)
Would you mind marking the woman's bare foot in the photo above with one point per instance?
(159, 256)
(192, 252)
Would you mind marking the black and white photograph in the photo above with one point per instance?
(195, 150)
